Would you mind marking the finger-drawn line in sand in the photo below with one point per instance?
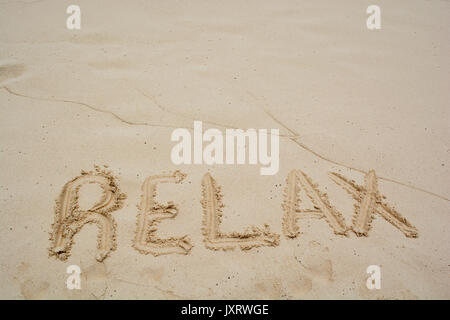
(212, 215)
(369, 202)
(323, 208)
(294, 138)
(151, 213)
(365, 206)
(69, 219)
(290, 206)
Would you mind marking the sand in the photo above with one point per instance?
(85, 123)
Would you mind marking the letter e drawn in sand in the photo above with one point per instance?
(151, 213)
(369, 202)
(69, 219)
(322, 207)
(212, 216)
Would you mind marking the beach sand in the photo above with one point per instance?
(346, 100)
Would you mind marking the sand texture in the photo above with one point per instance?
(86, 175)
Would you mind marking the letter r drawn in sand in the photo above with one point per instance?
(69, 219)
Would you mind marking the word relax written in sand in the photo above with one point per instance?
(69, 218)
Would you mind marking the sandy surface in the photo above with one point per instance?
(346, 100)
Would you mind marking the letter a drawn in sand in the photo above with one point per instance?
(369, 202)
(322, 207)
(212, 216)
(151, 213)
(69, 219)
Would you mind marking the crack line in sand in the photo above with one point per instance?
(123, 120)
(131, 123)
(164, 109)
(212, 216)
(151, 213)
(370, 201)
(69, 219)
(295, 136)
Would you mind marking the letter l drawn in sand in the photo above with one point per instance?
(212, 216)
